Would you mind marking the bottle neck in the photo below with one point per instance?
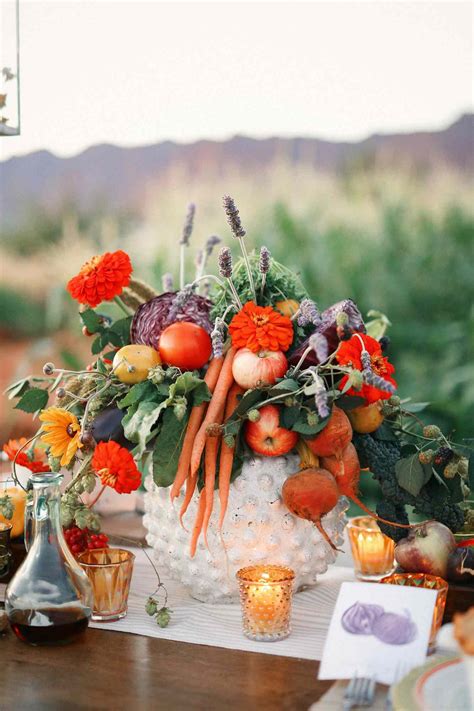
(46, 511)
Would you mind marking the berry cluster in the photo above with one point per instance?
(81, 539)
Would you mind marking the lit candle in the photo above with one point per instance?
(265, 594)
(372, 551)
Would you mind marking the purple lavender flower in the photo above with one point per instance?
(211, 242)
(167, 282)
(233, 217)
(217, 340)
(308, 313)
(178, 303)
(225, 263)
(376, 381)
(188, 224)
(321, 399)
(365, 360)
(265, 260)
(319, 344)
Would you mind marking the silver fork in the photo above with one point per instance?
(359, 692)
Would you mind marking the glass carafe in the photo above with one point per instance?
(49, 600)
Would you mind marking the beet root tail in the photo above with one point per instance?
(357, 501)
(321, 530)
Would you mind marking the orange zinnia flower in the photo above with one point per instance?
(34, 460)
(116, 467)
(261, 328)
(63, 433)
(349, 353)
(101, 278)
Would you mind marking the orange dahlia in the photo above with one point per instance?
(101, 278)
(62, 433)
(350, 353)
(116, 467)
(261, 328)
(34, 460)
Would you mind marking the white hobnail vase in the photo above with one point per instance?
(258, 529)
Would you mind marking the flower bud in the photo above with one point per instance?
(230, 441)
(450, 470)
(431, 432)
(463, 467)
(151, 608)
(163, 617)
(61, 393)
(394, 400)
(253, 415)
(289, 401)
(156, 375)
(48, 368)
(312, 418)
(426, 457)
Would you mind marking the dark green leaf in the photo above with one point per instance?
(415, 406)
(385, 433)
(349, 402)
(306, 430)
(141, 391)
(411, 475)
(249, 400)
(407, 449)
(201, 393)
(91, 321)
(287, 385)
(121, 329)
(289, 416)
(470, 472)
(99, 344)
(232, 427)
(33, 400)
(455, 489)
(168, 448)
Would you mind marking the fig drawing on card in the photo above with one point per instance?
(389, 627)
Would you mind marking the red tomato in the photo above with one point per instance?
(185, 345)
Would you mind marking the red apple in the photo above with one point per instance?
(250, 370)
(426, 549)
(266, 436)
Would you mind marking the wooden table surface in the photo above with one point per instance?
(113, 670)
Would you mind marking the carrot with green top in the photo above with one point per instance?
(195, 420)
(224, 383)
(227, 455)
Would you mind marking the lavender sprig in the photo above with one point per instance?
(203, 255)
(167, 282)
(264, 266)
(308, 313)
(217, 338)
(178, 303)
(225, 270)
(184, 241)
(319, 344)
(376, 381)
(233, 218)
(321, 398)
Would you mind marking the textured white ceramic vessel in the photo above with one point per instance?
(258, 529)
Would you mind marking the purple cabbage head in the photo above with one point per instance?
(150, 319)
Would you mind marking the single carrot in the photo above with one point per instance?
(210, 465)
(219, 396)
(226, 460)
(198, 523)
(191, 482)
(195, 420)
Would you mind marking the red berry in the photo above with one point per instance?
(76, 549)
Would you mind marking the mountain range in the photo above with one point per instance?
(119, 177)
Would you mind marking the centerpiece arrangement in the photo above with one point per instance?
(248, 413)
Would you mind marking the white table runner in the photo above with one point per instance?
(220, 625)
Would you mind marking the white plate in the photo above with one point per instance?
(435, 686)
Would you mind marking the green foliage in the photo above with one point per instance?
(19, 314)
(32, 400)
(168, 448)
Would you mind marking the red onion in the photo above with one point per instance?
(394, 629)
(360, 618)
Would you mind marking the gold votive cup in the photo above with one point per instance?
(429, 582)
(5, 548)
(266, 593)
(372, 550)
(110, 573)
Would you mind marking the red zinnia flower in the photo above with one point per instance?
(37, 463)
(349, 353)
(261, 328)
(101, 279)
(116, 467)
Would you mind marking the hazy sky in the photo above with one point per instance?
(139, 72)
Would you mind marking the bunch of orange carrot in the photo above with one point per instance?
(203, 436)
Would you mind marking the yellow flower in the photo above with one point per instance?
(63, 433)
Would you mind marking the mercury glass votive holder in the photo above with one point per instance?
(5, 548)
(429, 582)
(266, 593)
(372, 550)
(110, 573)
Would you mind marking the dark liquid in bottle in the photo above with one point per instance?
(52, 626)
